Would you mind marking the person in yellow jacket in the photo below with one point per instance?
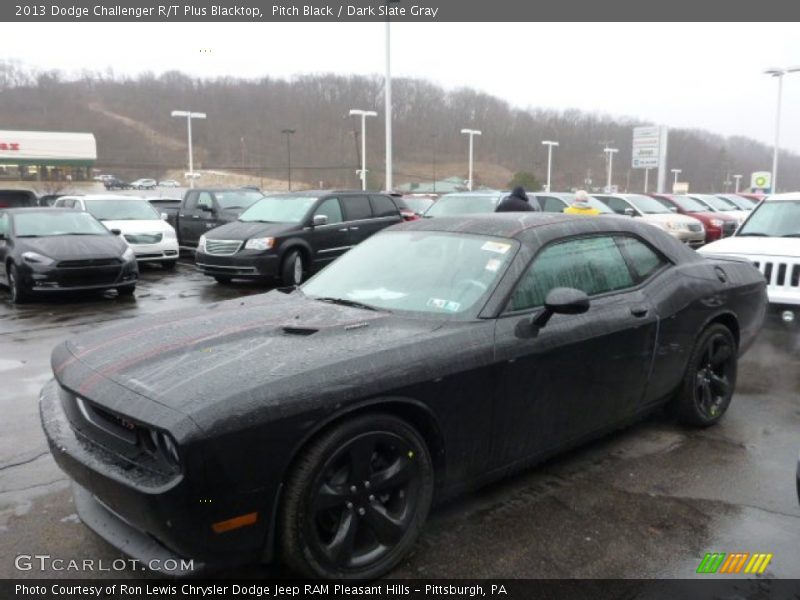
(581, 206)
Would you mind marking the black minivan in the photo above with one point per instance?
(292, 234)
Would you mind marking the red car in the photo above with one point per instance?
(718, 225)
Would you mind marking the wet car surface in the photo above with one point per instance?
(647, 502)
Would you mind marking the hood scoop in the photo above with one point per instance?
(304, 331)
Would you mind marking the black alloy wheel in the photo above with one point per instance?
(710, 379)
(357, 500)
(15, 285)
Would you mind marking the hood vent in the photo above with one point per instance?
(299, 330)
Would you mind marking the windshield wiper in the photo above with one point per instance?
(345, 302)
(752, 234)
(791, 235)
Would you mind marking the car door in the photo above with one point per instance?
(357, 214)
(5, 243)
(384, 213)
(199, 217)
(551, 204)
(619, 205)
(579, 374)
(331, 240)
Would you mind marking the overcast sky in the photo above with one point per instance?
(677, 74)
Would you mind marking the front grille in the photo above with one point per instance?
(222, 247)
(91, 262)
(696, 227)
(144, 238)
(728, 228)
(780, 274)
(81, 277)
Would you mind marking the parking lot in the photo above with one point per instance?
(647, 502)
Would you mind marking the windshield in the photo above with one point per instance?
(279, 209)
(121, 210)
(464, 204)
(42, 224)
(421, 271)
(646, 204)
(717, 203)
(774, 219)
(689, 204)
(418, 205)
(237, 199)
(740, 203)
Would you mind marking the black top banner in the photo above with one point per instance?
(400, 10)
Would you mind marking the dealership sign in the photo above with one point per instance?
(646, 147)
(47, 147)
(761, 180)
(12, 146)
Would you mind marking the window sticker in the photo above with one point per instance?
(441, 304)
(376, 294)
(496, 247)
(493, 264)
(437, 303)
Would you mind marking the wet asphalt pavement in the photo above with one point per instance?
(646, 502)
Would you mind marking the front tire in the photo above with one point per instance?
(127, 290)
(222, 279)
(357, 499)
(19, 293)
(710, 379)
(292, 269)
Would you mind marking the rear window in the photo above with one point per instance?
(17, 198)
(383, 206)
(356, 208)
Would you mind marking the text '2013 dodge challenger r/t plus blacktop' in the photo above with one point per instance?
(317, 426)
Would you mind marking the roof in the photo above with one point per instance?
(317, 193)
(37, 209)
(784, 196)
(562, 195)
(478, 193)
(101, 197)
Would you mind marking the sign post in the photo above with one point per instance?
(649, 151)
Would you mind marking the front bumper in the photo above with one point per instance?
(245, 264)
(776, 316)
(695, 239)
(53, 278)
(149, 517)
(164, 250)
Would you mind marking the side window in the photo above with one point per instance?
(593, 265)
(205, 199)
(618, 205)
(191, 201)
(641, 257)
(356, 208)
(382, 206)
(4, 229)
(331, 209)
(550, 204)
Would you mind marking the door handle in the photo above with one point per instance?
(639, 311)
(353, 228)
(345, 229)
(195, 216)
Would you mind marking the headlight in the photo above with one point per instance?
(718, 223)
(669, 225)
(161, 443)
(201, 243)
(260, 243)
(36, 258)
(169, 234)
(129, 254)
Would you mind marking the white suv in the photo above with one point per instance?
(770, 239)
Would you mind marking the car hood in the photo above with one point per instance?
(138, 226)
(74, 247)
(243, 230)
(273, 352)
(754, 246)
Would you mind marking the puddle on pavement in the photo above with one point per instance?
(8, 364)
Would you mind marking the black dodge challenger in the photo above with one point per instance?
(316, 426)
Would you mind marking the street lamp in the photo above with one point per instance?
(288, 133)
(779, 73)
(189, 116)
(549, 145)
(738, 179)
(363, 114)
(471, 133)
(610, 155)
(388, 99)
(675, 172)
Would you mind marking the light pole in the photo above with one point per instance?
(471, 133)
(675, 172)
(779, 73)
(610, 155)
(388, 99)
(189, 116)
(549, 145)
(738, 178)
(288, 133)
(363, 114)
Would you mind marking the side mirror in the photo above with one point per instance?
(562, 301)
(319, 220)
(116, 231)
(629, 212)
(206, 208)
(673, 209)
(164, 216)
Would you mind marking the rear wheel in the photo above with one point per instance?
(710, 378)
(19, 293)
(292, 269)
(222, 279)
(357, 499)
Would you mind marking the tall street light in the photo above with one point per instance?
(549, 145)
(737, 178)
(779, 73)
(288, 133)
(363, 114)
(189, 116)
(675, 172)
(471, 133)
(610, 156)
(388, 99)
